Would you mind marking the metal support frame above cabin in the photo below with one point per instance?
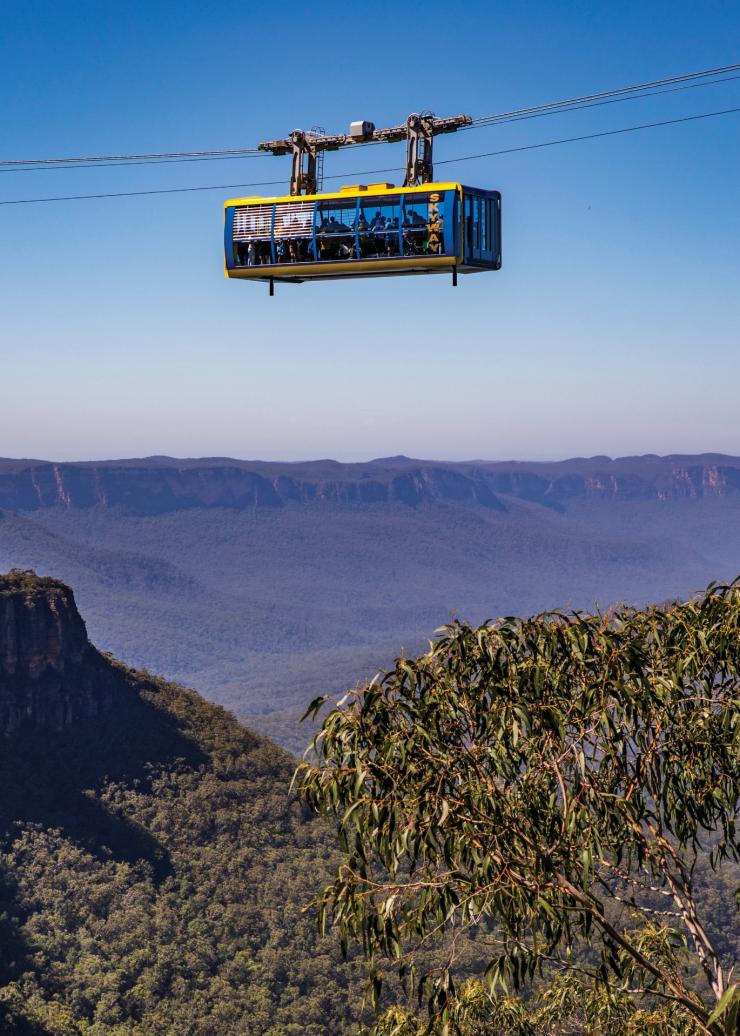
(303, 172)
(418, 131)
(419, 150)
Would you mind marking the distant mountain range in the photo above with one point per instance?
(262, 584)
(155, 485)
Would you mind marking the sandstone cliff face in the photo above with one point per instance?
(155, 490)
(50, 674)
(159, 485)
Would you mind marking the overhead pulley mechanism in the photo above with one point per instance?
(419, 132)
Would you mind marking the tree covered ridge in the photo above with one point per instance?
(26, 581)
(153, 874)
(562, 786)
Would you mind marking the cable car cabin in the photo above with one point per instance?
(364, 232)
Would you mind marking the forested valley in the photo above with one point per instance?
(159, 875)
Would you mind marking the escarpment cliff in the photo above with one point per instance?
(159, 488)
(143, 831)
(50, 674)
(162, 484)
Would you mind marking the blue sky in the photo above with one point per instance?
(613, 328)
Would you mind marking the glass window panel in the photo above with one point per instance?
(341, 229)
(379, 226)
(251, 235)
(476, 226)
(423, 224)
(252, 253)
(293, 232)
(335, 229)
(468, 225)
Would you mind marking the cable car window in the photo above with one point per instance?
(379, 227)
(485, 224)
(252, 235)
(468, 225)
(293, 232)
(335, 229)
(476, 224)
(423, 224)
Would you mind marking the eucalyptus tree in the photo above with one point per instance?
(546, 787)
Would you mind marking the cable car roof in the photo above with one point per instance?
(349, 191)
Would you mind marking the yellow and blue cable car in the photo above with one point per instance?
(364, 231)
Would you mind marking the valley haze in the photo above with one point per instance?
(262, 584)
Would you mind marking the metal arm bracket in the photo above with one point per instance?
(303, 172)
(418, 131)
(419, 150)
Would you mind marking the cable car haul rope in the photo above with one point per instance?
(692, 80)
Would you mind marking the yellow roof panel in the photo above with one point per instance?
(354, 190)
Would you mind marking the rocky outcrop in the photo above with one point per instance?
(161, 484)
(50, 674)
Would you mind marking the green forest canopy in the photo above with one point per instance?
(562, 788)
(153, 875)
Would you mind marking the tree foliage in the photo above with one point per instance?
(554, 785)
(153, 875)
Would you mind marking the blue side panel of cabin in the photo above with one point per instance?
(451, 224)
(482, 228)
(229, 238)
(497, 229)
(493, 254)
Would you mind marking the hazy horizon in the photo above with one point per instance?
(366, 459)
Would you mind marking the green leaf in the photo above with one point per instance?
(730, 996)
